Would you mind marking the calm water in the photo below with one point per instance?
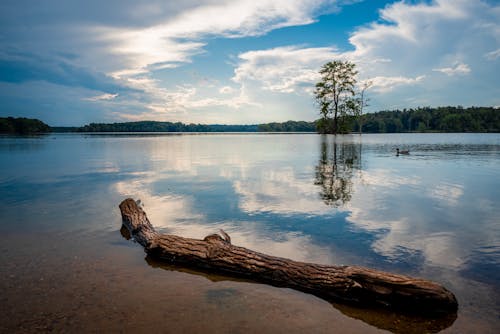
(64, 265)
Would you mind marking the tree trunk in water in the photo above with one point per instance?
(348, 284)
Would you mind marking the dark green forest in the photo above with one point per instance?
(22, 125)
(427, 119)
(151, 126)
(424, 119)
(289, 126)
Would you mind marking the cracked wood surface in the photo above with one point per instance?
(348, 284)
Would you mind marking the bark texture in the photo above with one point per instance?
(348, 284)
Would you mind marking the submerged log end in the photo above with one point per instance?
(402, 292)
(136, 221)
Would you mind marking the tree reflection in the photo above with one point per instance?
(335, 169)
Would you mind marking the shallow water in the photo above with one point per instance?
(64, 265)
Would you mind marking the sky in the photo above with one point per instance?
(73, 62)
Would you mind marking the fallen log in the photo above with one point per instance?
(346, 284)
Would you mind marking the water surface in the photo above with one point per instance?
(334, 200)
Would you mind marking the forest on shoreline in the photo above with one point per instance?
(427, 119)
(424, 119)
(22, 125)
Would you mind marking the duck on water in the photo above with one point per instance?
(405, 152)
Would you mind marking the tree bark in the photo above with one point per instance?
(347, 284)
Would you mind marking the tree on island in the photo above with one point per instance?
(336, 97)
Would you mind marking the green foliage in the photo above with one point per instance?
(151, 126)
(426, 119)
(22, 125)
(335, 95)
(325, 125)
(64, 129)
(289, 126)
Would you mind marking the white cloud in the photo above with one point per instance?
(419, 39)
(382, 84)
(136, 40)
(226, 90)
(103, 97)
(493, 55)
(176, 40)
(407, 24)
(283, 69)
(457, 69)
(141, 51)
(403, 52)
(398, 54)
(175, 103)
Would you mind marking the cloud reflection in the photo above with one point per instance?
(174, 214)
(447, 193)
(407, 227)
(281, 192)
(387, 178)
(267, 200)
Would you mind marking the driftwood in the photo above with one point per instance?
(346, 284)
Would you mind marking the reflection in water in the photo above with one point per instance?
(383, 319)
(396, 322)
(16, 144)
(335, 169)
(213, 277)
(432, 214)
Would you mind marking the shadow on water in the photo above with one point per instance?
(336, 166)
(380, 318)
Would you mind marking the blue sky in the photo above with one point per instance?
(71, 62)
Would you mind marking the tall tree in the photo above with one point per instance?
(335, 94)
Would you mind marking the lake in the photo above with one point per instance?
(65, 266)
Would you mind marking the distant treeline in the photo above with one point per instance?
(289, 126)
(151, 126)
(22, 125)
(427, 119)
